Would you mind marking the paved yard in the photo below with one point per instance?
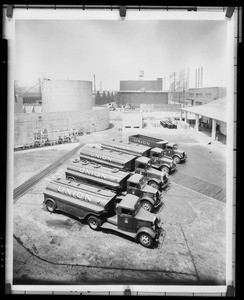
(56, 248)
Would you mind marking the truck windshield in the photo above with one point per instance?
(148, 165)
(143, 182)
(161, 154)
(175, 147)
(137, 207)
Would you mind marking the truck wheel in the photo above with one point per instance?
(176, 159)
(147, 205)
(94, 222)
(50, 205)
(165, 169)
(154, 184)
(145, 240)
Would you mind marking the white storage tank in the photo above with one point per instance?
(66, 95)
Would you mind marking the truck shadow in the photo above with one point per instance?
(66, 224)
(155, 246)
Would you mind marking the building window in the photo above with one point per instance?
(198, 95)
(208, 95)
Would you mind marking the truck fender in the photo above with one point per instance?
(148, 199)
(165, 165)
(155, 179)
(147, 230)
(49, 199)
(54, 207)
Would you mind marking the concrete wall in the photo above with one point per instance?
(137, 98)
(66, 95)
(25, 125)
(166, 107)
(18, 104)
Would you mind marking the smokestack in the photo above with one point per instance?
(201, 76)
(196, 79)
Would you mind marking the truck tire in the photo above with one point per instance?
(50, 205)
(165, 169)
(146, 205)
(94, 222)
(154, 184)
(176, 159)
(145, 240)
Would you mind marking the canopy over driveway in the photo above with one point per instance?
(216, 110)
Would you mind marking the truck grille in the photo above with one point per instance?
(157, 202)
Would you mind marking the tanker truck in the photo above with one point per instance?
(171, 150)
(126, 162)
(95, 206)
(120, 182)
(158, 160)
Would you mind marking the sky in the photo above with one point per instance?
(118, 50)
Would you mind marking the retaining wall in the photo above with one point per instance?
(96, 119)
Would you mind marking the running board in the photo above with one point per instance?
(110, 226)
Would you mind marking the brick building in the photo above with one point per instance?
(136, 92)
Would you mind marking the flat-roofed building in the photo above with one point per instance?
(136, 92)
(199, 96)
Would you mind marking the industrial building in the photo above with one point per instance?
(66, 104)
(136, 92)
(199, 96)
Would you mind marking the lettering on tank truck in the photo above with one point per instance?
(119, 146)
(141, 142)
(74, 194)
(92, 173)
(104, 157)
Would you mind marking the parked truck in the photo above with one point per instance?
(96, 207)
(170, 149)
(158, 160)
(120, 182)
(125, 162)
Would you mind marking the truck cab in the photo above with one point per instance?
(159, 161)
(157, 179)
(149, 196)
(131, 219)
(172, 151)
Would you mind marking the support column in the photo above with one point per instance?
(197, 123)
(180, 115)
(186, 116)
(213, 129)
